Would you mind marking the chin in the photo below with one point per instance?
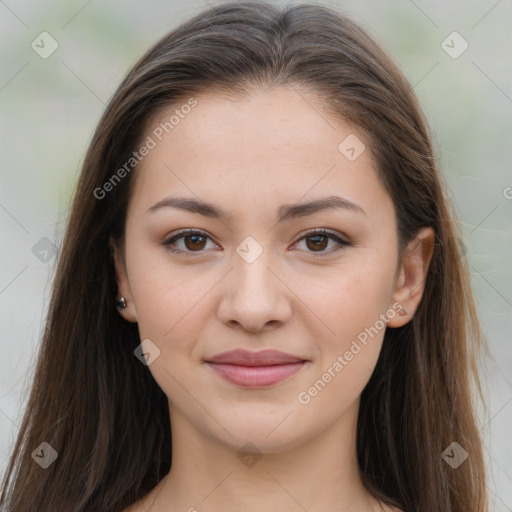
(265, 432)
(256, 442)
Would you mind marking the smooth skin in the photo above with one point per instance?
(249, 156)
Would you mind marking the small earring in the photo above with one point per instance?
(402, 312)
(121, 303)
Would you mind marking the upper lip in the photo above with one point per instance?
(261, 358)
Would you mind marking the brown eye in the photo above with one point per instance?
(194, 242)
(187, 241)
(318, 240)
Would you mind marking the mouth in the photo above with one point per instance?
(255, 369)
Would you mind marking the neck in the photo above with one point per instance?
(208, 475)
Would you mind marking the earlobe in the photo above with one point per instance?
(124, 301)
(410, 282)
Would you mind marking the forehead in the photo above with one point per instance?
(270, 146)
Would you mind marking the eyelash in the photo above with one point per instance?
(169, 243)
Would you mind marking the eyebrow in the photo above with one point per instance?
(283, 213)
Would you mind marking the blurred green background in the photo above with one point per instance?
(50, 106)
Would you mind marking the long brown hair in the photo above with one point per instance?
(102, 411)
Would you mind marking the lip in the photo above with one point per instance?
(255, 369)
(260, 358)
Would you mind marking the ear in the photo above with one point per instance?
(123, 285)
(410, 282)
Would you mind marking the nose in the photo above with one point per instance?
(255, 297)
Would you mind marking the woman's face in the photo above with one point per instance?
(251, 279)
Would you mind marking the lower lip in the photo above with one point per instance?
(256, 376)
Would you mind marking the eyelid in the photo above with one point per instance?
(341, 240)
(324, 231)
(332, 235)
(182, 233)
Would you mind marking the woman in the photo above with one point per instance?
(260, 300)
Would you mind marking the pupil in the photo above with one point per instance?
(318, 244)
(196, 239)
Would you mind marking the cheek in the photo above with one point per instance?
(349, 301)
(338, 386)
(169, 310)
(168, 298)
(354, 305)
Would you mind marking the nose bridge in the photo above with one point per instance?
(252, 274)
(254, 297)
